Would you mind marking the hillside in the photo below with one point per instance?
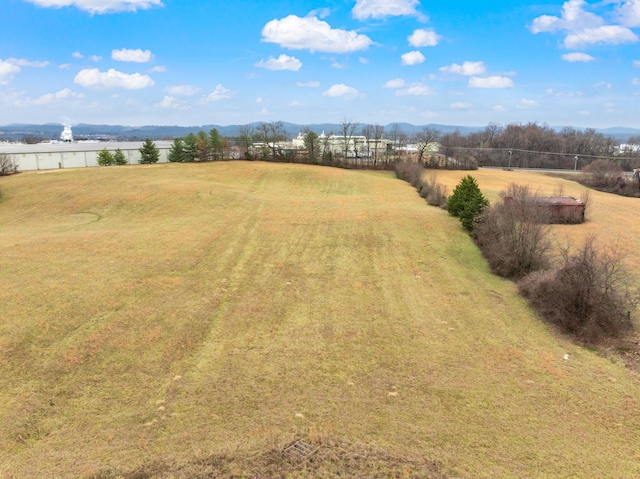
(196, 318)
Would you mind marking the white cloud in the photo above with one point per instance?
(635, 81)
(135, 56)
(629, 13)
(577, 57)
(259, 100)
(606, 34)
(636, 63)
(491, 82)
(339, 66)
(342, 90)
(101, 6)
(309, 84)
(363, 60)
(7, 70)
(415, 89)
(312, 34)
(395, 83)
(64, 66)
(21, 62)
(572, 18)
(603, 84)
(182, 90)
(467, 68)
(412, 58)
(524, 104)
(384, 8)
(585, 112)
(585, 28)
(499, 108)
(158, 69)
(220, 93)
(283, 62)
(63, 95)
(459, 105)
(96, 58)
(295, 103)
(424, 37)
(77, 55)
(171, 103)
(94, 78)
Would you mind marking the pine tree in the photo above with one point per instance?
(176, 152)
(105, 158)
(467, 202)
(149, 153)
(119, 158)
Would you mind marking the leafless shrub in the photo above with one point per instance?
(602, 174)
(7, 165)
(513, 235)
(587, 296)
(413, 173)
(436, 193)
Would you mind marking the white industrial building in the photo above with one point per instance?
(47, 156)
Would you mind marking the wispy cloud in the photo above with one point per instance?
(377, 9)
(491, 82)
(283, 62)
(220, 93)
(577, 57)
(415, 89)
(395, 83)
(467, 68)
(100, 6)
(135, 56)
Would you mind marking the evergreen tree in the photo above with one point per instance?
(176, 152)
(119, 158)
(189, 147)
(105, 158)
(467, 202)
(149, 152)
(216, 144)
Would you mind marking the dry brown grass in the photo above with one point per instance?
(171, 314)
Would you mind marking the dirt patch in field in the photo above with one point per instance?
(333, 458)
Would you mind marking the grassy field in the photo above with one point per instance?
(174, 320)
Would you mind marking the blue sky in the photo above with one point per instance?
(173, 62)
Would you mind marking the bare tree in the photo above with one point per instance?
(398, 140)
(424, 138)
(245, 138)
(589, 295)
(513, 235)
(347, 130)
(7, 165)
(368, 132)
(270, 134)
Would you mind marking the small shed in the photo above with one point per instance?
(559, 209)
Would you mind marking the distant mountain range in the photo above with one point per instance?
(158, 132)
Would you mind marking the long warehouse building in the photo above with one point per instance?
(48, 156)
